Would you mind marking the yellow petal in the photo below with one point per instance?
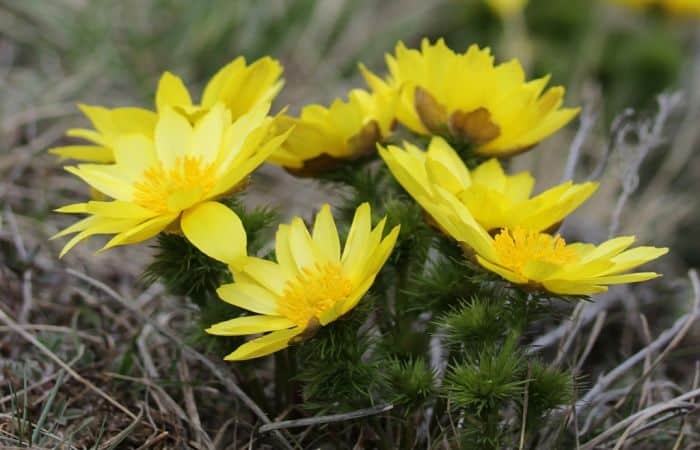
(208, 133)
(93, 153)
(250, 325)
(173, 137)
(355, 245)
(270, 343)
(75, 208)
(90, 135)
(135, 153)
(301, 245)
(118, 209)
(283, 252)
(626, 278)
(92, 226)
(216, 231)
(108, 179)
(502, 271)
(490, 174)
(172, 92)
(609, 248)
(250, 296)
(325, 235)
(565, 287)
(266, 273)
(141, 232)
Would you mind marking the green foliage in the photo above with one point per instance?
(486, 382)
(335, 371)
(475, 325)
(257, 223)
(184, 270)
(411, 382)
(548, 387)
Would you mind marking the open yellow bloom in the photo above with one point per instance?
(466, 97)
(240, 87)
(324, 136)
(542, 261)
(311, 284)
(495, 200)
(177, 173)
(506, 8)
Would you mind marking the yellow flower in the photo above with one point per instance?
(506, 8)
(676, 7)
(495, 200)
(542, 261)
(311, 284)
(490, 108)
(177, 173)
(238, 86)
(322, 136)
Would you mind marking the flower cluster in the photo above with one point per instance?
(173, 168)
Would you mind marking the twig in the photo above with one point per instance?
(617, 129)
(672, 335)
(681, 433)
(588, 312)
(526, 401)
(27, 296)
(588, 118)
(311, 421)
(650, 137)
(34, 341)
(225, 380)
(671, 405)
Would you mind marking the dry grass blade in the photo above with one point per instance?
(211, 366)
(680, 402)
(34, 341)
(311, 421)
(670, 337)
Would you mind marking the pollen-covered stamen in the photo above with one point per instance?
(316, 290)
(188, 181)
(519, 246)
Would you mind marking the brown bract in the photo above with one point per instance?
(474, 127)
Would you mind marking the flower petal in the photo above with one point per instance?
(265, 345)
(325, 235)
(252, 297)
(216, 231)
(172, 92)
(250, 325)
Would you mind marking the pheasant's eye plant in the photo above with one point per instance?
(412, 298)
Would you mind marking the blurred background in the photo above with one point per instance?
(615, 61)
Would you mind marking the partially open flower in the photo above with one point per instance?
(506, 8)
(489, 108)
(496, 200)
(311, 284)
(690, 8)
(176, 174)
(542, 261)
(238, 86)
(324, 137)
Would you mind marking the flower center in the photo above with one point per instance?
(316, 290)
(519, 246)
(176, 189)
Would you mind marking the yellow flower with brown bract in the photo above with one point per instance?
(238, 86)
(542, 261)
(490, 108)
(323, 137)
(311, 285)
(677, 7)
(495, 199)
(175, 175)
